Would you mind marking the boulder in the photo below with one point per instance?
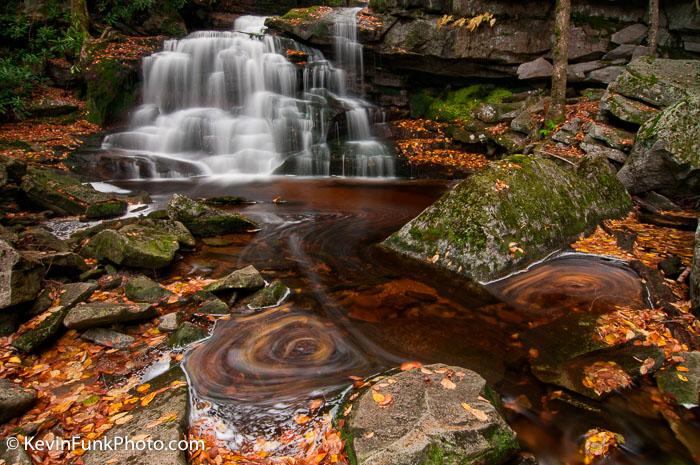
(49, 326)
(666, 155)
(41, 239)
(271, 296)
(513, 213)
(659, 82)
(245, 279)
(437, 414)
(73, 293)
(203, 220)
(172, 405)
(186, 334)
(611, 136)
(108, 338)
(536, 69)
(597, 150)
(14, 400)
(144, 289)
(633, 34)
(58, 264)
(625, 109)
(605, 75)
(93, 314)
(65, 195)
(12, 170)
(213, 307)
(20, 276)
(170, 322)
(683, 386)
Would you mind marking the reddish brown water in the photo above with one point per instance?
(356, 311)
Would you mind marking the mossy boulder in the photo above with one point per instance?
(625, 109)
(65, 195)
(244, 279)
(272, 295)
(186, 334)
(144, 289)
(511, 214)
(112, 89)
(213, 307)
(205, 221)
(666, 154)
(93, 314)
(436, 415)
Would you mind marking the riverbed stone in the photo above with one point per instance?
(108, 338)
(186, 334)
(144, 289)
(244, 279)
(438, 414)
(511, 214)
(274, 294)
(20, 276)
(73, 293)
(203, 220)
(169, 322)
(666, 154)
(683, 385)
(48, 328)
(171, 405)
(40, 239)
(93, 314)
(14, 400)
(65, 195)
(213, 307)
(58, 264)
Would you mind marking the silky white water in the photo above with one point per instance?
(233, 103)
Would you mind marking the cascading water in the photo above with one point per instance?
(235, 103)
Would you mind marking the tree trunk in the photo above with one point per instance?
(562, 28)
(653, 27)
(79, 15)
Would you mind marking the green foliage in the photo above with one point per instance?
(455, 105)
(16, 82)
(549, 127)
(124, 11)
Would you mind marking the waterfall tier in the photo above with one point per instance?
(249, 103)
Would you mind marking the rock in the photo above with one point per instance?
(246, 279)
(13, 455)
(511, 141)
(110, 282)
(144, 289)
(41, 239)
(660, 202)
(217, 241)
(271, 296)
(611, 136)
(170, 322)
(671, 267)
(659, 82)
(20, 276)
(623, 52)
(9, 321)
(577, 72)
(65, 195)
(666, 155)
(633, 34)
(12, 170)
(695, 276)
(526, 122)
(226, 200)
(108, 338)
(58, 264)
(567, 132)
(92, 314)
(429, 421)
(536, 69)
(685, 393)
(14, 400)
(213, 307)
(204, 221)
(625, 109)
(503, 218)
(172, 403)
(605, 75)
(186, 334)
(74, 293)
(50, 326)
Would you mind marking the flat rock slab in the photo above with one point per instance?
(14, 400)
(108, 338)
(93, 314)
(435, 414)
(144, 289)
(205, 221)
(74, 293)
(12, 456)
(247, 279)
(46, 330)
(164, 419)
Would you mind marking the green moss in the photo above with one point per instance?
(302, 14)
(456, 105)
(111, 91)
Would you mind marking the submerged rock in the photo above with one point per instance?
(512, 213)
(144, 289)
(439, 414)
(186, 334)
(65, 195)
(682, 385)
(272, 295)
(205, 221)
(14, 400)
(245, 279)
(89, 315)
(20, 276)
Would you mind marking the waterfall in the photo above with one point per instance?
(244, 103)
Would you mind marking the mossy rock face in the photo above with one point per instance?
(460, 105)
(112, 90)
(511, 214)
(625, 109)
(438, 415)
(666, 155)
(205, 221)
(311, 23)
(65, 195)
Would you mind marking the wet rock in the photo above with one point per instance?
(226, 200)
(73, 293)
(170, 322)
(65, 195)
(93, 314)
(14, 400)
(683, 386)
(58, 264)
(186, 334)
(13, 455)
(173, 402)
(633, 34)
(625, 109)
(247, 279)
(658, 82)
(536, 69)
(611, 136)
(144, 289)
(205, 221)
(272, 295)
(45, 331)
(428, 422)
(501, 218)
(20, 276)
(666, 155)
(213, 307)
(108, 338)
